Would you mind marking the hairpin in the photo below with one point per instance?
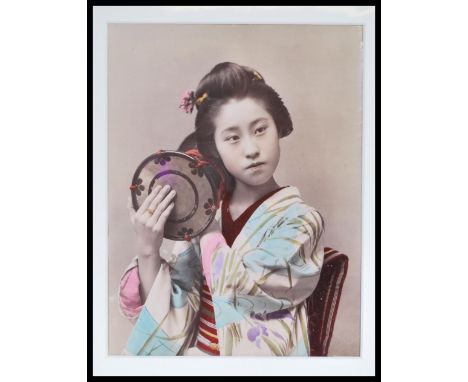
(201, 98)
(188, 101)
(257, 76)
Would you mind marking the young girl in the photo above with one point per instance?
(241, 287)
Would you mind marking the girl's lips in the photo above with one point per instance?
(255, 165)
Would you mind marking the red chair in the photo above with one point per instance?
(322, 305)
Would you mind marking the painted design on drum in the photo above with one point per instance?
(138, 187)
(196, 170)
(162, 159)
(209, 207)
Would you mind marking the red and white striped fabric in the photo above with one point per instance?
(207, 339)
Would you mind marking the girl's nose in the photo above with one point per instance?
(251, 150)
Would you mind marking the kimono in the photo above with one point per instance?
(258, 286)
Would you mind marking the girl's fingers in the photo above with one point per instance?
(159, 226)
(160, 207)
(158, 199)
(144, 206)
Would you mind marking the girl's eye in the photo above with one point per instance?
(261, 129)
(232, 138)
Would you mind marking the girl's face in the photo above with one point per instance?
(247, 141)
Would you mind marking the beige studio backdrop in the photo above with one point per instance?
(315, 69)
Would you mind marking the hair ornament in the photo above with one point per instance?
(188, 101)
(201, 98)
(257, 76)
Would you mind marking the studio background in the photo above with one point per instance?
(315, 69)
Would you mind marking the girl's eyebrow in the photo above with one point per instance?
(235, 128)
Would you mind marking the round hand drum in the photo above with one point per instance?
(195, 200)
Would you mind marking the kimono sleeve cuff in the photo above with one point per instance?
(130, 300)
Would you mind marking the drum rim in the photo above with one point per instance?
(151, 157)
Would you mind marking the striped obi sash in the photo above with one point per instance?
(207, 338)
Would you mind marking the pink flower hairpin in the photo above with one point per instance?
(188, 101)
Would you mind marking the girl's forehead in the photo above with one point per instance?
(239, 112)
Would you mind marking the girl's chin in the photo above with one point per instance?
(255, 181)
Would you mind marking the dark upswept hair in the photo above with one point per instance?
(228, 81)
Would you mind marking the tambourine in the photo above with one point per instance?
(196, 192)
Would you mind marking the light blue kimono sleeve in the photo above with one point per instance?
(286, 262)
(168, 322)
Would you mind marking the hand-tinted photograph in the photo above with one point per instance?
(234, 189)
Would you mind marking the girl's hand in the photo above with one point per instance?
(150, 219)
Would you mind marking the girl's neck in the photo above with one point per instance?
(246, 195)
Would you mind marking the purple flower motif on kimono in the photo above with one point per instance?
(254, 332)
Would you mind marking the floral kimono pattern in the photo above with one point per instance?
(259, 286)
